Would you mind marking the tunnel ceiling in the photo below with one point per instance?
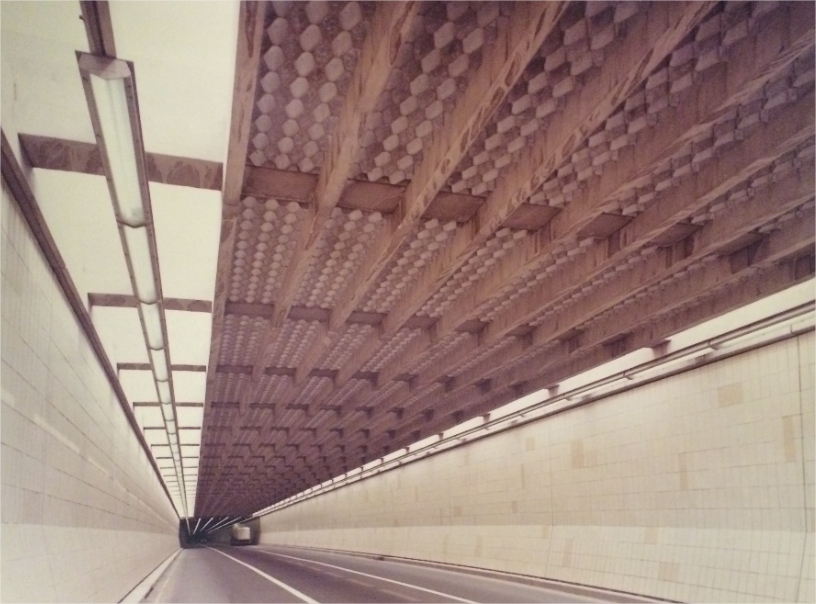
(430, 209)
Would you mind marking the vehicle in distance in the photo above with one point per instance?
(241, 535)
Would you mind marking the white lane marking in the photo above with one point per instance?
(291, 590)
(522, 586)
(356, 572)
(159, 597)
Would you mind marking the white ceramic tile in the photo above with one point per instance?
(674, 472)
(63, 434)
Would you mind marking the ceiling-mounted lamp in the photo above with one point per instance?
(159, 364)
(113, 93)
(110, 90)
(164, 393)
(139, 251)
(153, 325)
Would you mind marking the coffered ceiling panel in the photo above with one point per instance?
(604, 154)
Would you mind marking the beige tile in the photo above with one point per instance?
(730, 394)
(707, 457)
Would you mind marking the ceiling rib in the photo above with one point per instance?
(787, 195)
(665, 263)
(98, 27)
(742, 291)
(266, 183)
(793, 127)
(720, 275)
(678, 205)
(130, 301)
(649, 39)
(541, 371)
(146, 367)
(519, 40)
(51, 153)
(323, 315)
(657, 267)
(674, 26)
(752, 63)
(247, 58)
(529, 25)
(146, 404)
(290, 372)
(654, 36)
(390, 23)
(643, 173)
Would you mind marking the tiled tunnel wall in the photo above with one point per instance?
(84, 518)
(698, 487)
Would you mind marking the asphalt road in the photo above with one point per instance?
(284, 574)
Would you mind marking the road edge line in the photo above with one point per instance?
(142, 588)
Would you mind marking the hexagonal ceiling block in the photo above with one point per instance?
(350, 16)
(316, 11)
(310, 38)
(305, 64)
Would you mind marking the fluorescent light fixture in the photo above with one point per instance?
(110, 90)
(164, 392)
(142, 263)
(159, 364)
(114, 120)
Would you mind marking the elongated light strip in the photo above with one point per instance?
(111, 95)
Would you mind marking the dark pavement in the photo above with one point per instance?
(268, 573)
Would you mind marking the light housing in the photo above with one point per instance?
(152, 322)
(141, 259)
(110, 90)
(160, 368)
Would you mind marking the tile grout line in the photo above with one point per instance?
(804, 472)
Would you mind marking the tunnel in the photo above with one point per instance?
(406, 301)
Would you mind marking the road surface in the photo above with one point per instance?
(285, 574)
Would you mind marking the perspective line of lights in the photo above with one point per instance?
(110, 90)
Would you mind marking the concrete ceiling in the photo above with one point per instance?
(431, 209)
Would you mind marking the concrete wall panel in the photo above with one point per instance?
(84, 517)
(698, 487)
